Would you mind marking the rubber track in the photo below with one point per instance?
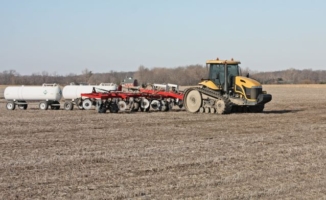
(215, 95)
(210, 93)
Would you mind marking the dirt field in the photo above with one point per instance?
(278, 154)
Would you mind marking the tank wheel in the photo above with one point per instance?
(201, 109)
(193, 100)
(43, 105)
(223, 106)
(87, 104)
(23, 107)
(79, 104)
(11, 105)
(207, 110)
(213, 110)
(68, 105)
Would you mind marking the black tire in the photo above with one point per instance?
(180, 104)
(43, 105)
(101, 109)
(135, 106)
(114, 108)
(23, 107)
(68, 105)
(55, 107)
(79, 104)
(165, 106)
(11, 105)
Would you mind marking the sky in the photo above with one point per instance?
(68, 36)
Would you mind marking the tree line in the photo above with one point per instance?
(292, 76)
(184, 75)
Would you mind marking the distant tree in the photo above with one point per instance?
(86, 75)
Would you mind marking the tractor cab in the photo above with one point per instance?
(221, 74)
(217, 71)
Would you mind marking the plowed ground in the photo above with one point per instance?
(278, 154)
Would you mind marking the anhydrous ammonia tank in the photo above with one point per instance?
(48, 94)
(72, 94)
(74, 91)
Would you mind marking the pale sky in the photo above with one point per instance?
(67, 36)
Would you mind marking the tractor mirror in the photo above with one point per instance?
(247, 75)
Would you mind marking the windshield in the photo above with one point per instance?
(216, 72)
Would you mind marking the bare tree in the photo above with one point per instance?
(86, 75)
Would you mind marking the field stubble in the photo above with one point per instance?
(84, 155)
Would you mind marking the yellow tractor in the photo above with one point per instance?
(226, 91)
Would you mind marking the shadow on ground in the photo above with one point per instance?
(282, 111)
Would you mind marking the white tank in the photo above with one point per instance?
(46, 92)
(74, 91)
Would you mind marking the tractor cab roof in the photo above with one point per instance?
(218, 61)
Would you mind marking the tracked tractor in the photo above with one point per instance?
(226, 91)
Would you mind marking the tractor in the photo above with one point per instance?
(226, 91)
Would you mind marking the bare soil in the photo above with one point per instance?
(278, 154)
